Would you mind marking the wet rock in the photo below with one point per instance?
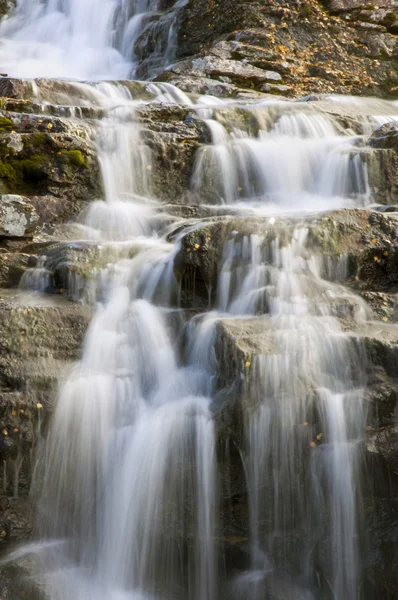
(6, 6)
(21, 122)
(381, 398)
(61, 92)
(385, 137)
(379, 46)
(199, 25)
(173, 134)
(382, 524)
(380, 341)
(252, 54)
(38, 343)
(385, 443)
(293, 38)
(384, 305)
(18, 217)
(15, 88)
(369, 241)
(382, 171)
(13, 266)
(213, 87)
(68, 268)
(20, 579)
(18, 517)
(281, 90)
(53, 210)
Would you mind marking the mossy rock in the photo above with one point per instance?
(44, 163)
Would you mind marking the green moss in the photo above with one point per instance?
(389, 19)
(8, 172)
(75, 158)
(32, 169)
(5, 125)
(35, 140)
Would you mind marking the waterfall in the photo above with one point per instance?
(132, 483)
(312, 368)
(82, 39)
(141, 506)
(132, 502)
(300, 162)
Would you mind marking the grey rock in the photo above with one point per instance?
(238, 72)
(385, 136)
(282, 90)
(338, 6)
(18, 217)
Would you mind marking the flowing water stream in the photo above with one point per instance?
(132, 484)
(89, 39)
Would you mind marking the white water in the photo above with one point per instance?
(136, 423)
(139, 514)
(300, 161)
(80, 39)
(131, 483)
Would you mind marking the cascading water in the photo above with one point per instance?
(321, 167)
(131, 485)
(312, 374)
(81, 39)
(137, 521)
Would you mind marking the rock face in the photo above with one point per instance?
(38, 343)
(174, 136)
(342, 46)
(45, 163)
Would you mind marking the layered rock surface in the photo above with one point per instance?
(313, 46)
